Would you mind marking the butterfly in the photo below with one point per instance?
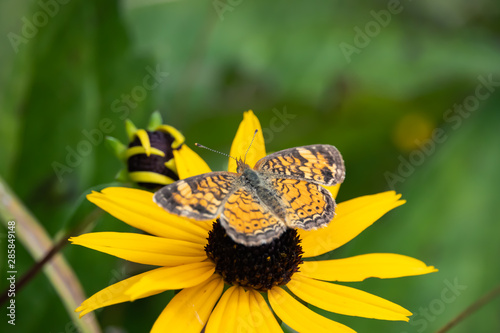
(257, 205)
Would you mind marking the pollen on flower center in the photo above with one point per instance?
(257, 267)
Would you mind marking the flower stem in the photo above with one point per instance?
(31, 233)
(471, 309)
(35, 269)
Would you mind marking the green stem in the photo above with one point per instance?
(39, 244)
(56, 248)
(471, 309)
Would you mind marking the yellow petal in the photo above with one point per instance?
(143, 249)
(242, 311)
(352, 217)
(224, 313)
(137, 150)
(112, 295)
(178, 137)
(244, 321)
(358, 268)
(345, 300)
(334, 190)
(262, 314)
(299, 317)
(170, 278)
(149, 177)
(170, 164)
(144, 138)
(136, 208)
(190, 309)
(189, 163)
(242, 141)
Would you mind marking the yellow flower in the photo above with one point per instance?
(190, 262)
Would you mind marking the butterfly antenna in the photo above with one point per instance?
(215, 151)
(254, 134)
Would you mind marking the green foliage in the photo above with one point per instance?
(66, 88)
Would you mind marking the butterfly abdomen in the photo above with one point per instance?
(257, 184)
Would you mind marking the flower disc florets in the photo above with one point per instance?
(257, 267)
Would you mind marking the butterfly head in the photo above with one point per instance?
(241, 165)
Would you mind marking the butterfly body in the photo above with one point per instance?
(259, 185)
(257, 205)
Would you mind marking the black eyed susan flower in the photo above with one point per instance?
(150, 153)
(200, 260)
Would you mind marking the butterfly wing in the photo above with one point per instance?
(247, 221)
(199, 198)
(320, 164)
(307, 205)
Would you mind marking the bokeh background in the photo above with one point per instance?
(374, 78)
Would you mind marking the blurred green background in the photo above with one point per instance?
(373, 78)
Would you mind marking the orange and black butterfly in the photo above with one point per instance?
(256, 205)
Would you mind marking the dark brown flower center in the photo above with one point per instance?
(153, 163)
(257, 267)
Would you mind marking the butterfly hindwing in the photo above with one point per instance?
(308, 205)
(248, 221)
(320, 164)
(199, 198)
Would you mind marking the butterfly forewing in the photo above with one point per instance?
(248, 221)
(199, 197)
(320, 164)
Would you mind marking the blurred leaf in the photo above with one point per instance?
(34, 238)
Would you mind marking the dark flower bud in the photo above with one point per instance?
(149, 155)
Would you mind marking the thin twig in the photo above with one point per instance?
(471, 309)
